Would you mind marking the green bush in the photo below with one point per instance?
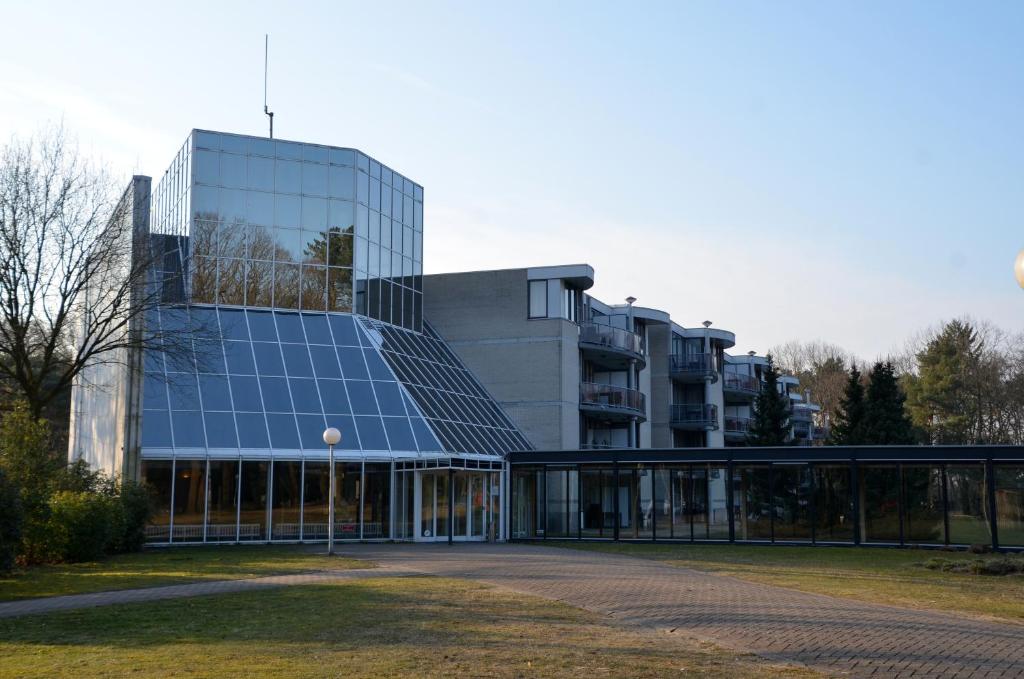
(10, 523)
(81, 526)
(1006, 565)
(137, 510)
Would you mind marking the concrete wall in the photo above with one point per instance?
(531, 367)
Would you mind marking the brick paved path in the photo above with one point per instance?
(838, 636)
(132, 596)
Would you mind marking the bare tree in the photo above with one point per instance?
(75, 277)
(821, 367)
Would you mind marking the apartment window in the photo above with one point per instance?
(538, 303)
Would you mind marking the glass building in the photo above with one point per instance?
(290, 284)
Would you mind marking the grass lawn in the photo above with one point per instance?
(416, 626)
(890, 576)
(177, 565)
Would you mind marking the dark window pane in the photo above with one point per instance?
(335, 399)
(275, 394)
(253, 510)
(353, 367)
(282, 431)
(753, 499)
(268, 358)
(346, 425)
(362, 398)
(188, 429)
(240, 360)
(1010, 505)
(183, 391)
(233, 325)
(833, 504)
(220, 430)
(968, 511)
(791, 502)
(246, 393)
(289, 327)
(287, 500)
(156, 475)
(261, 324)
(923, 519)
(315, 502)
(389, 398)
(371, 433)
(296, 360)
(311, 431)
(400, 434)
(325, 361)
(317, 331)
(304, 395)
(880, 503)
(156, 429)
(252, 430)
(215, 393)
(189, 500)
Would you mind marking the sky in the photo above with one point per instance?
(845, 172)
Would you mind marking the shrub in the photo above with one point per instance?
(81, 526)
(137, 510)
(10, 523)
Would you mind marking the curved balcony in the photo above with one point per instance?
(693, 367)
(694, 416)
(736, 427)
(737, 385)
(614, 404)
(611, 348)
(801, 415)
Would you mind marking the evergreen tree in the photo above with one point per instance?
(770, 426)
(946, 397)
(885, 419)
(848, 429)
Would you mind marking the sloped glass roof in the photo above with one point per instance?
(260, 380)
(465, 418)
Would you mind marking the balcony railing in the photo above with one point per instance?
(695, 415)
(693, 366)
(801, 415)
(607, 337)
(608, 397)
(747, 384)
(597, 446)
(737, 425)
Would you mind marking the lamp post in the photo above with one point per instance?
(332, 437)
(1018, 268)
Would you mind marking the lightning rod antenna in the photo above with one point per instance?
(266, 53)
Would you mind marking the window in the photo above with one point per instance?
(538, 299)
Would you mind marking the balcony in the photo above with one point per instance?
(611, 348)
(694, 416)
(737, 428)
(801, 415)
(612, 404)
(745, 387)
(693, 367)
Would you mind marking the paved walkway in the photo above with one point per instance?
(838, 636)
(132, 596)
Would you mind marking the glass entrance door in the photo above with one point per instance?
(469, 505)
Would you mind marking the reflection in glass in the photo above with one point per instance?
(791, 485)
(833, 504)
(204, 280)
(286, 286)
(557, 502)
(286, 502)
(259, 287)
(231, 282)
(376, 501)
(221, 512)
(189, 500)
(879, 503)
(316, 486)
(314, 287)
(156, 476)
(339, 289)
(923, 519)
(966, 495)
(346, 507)
(253, 511)
(1009, 491)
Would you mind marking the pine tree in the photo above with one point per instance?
(770, 426)
(885, 419)
(848, 429)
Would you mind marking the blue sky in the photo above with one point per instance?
(850, 172)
